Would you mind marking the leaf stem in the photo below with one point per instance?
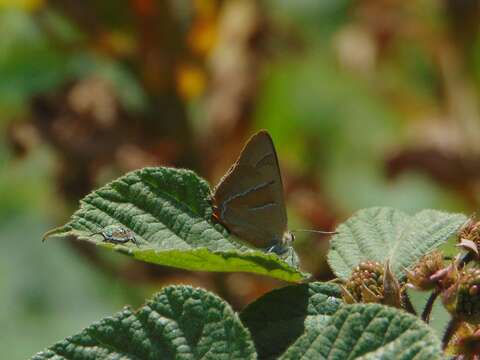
(465, 259)
(408, 304)
(427, 310)
(452, 327)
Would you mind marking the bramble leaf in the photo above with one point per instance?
(367, 331)
(278, 318)
(170, 215)
(382, 234)
(180, 322)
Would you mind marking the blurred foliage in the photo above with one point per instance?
(372, 103)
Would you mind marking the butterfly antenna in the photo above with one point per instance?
(316, 231)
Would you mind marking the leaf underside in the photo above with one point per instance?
(367, 331)
(180, 322)
(170, 214)
(382, 234)
(278, 318)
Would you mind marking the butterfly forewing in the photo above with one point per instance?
(249, 198)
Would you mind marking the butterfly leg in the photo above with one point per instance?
(287, 253)
(276, 248)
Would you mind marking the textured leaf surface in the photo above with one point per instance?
(382, 234)
(170, 214)
(278, 318)
(178, 323)
(367, 331)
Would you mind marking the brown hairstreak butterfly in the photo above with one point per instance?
(249, 199)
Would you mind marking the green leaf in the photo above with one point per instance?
(368, 331)
(170, 214)
(180, 322)
(382, 234)
(278, 318)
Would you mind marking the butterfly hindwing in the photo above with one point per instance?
(249, 198)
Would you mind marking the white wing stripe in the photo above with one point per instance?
(243, 193)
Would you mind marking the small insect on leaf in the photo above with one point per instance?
(117, 234)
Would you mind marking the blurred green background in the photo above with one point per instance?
(369, 103)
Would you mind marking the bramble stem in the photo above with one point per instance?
(427, 310)
(452, 327)
(465, 259)
(408, 304)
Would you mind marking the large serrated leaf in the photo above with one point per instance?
(170, 214)
(367, 331)
(278, 318)
(383, 234)
(178, 323)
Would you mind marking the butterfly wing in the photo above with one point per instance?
(249, 198)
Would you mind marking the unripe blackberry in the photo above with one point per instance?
(465, 342)
(463, 298)
(365, 283)
(427, 272)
